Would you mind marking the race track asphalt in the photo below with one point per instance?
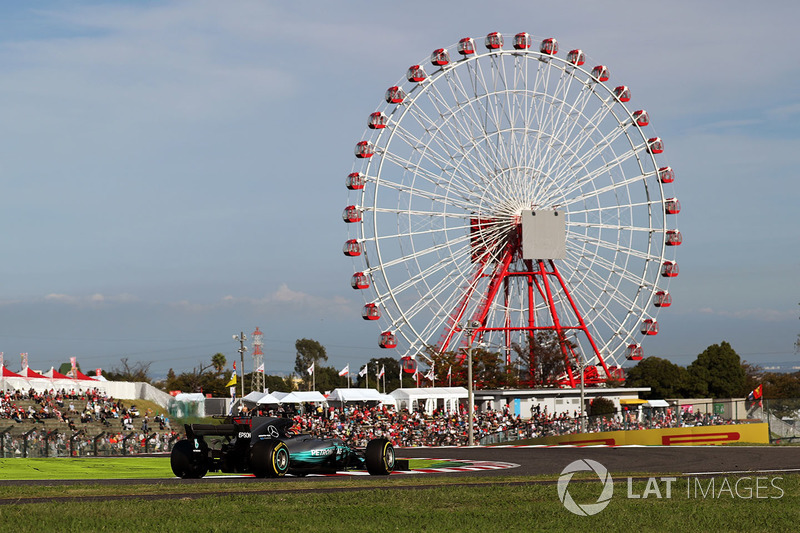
(532, 461)
(649, 459)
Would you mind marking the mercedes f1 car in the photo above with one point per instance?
(266, 447)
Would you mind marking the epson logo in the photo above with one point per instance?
(244, 434)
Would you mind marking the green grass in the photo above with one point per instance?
(85, 468)
(439, 508)
(89, 468)
(370, 504)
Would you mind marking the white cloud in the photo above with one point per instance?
(284, 302)
(285, 299)
(94, 299)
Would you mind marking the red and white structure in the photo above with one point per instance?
(257, 380)
(516, 186)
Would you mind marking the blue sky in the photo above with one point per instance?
(172, 171)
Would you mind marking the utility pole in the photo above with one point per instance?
(470, 331)
(242, 348)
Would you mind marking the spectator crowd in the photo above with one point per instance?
(55, 419)
(61, 422)
(356, 425)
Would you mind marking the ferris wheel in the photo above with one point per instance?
(514, 190)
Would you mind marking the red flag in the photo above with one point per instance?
(756, 393)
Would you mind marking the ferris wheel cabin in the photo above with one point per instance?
(351, 214)
(662, 299)
(466, 46)
(674, 238)
(641, 118)
(371, 312)
(364, 150)
(649, 327)
(623, 93)
(672, 206)
(655, 145)
(669, 269)
(352, 248)
(522, 41)
(634, 352)
(359, 281)
(440, 57)
(493, 41)
(666, 175)
(355, 181)
(387, 340)
(377, 120)
(549, 47)
(416, 74)
(576, 57)
(395, 95)
(408, 364)
(600, 73)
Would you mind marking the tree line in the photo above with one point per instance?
(718, 372)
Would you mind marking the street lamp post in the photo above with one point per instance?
(242, 348)
(470, 331)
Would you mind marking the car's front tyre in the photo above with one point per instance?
(269, 458)
(379, 457)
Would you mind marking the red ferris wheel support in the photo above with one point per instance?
(543, 281)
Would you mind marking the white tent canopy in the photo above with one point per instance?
(299, 396)
(267, 399)
(388, 399)
(261, 398)
(429, 398)
(253, 397)
(354, 395)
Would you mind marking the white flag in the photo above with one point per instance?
(311, 369)
(449, 371)
(345, 371)
(429, 375)
(260, 368)
(382, 372)
(363, 371)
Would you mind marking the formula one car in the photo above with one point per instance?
(266, 447)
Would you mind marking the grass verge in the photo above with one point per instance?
(440, 507)
(429, 503)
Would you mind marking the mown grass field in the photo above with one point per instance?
(397, 503)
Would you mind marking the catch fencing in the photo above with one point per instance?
(783, 417)
(41, 442)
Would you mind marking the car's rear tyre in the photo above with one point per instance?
(269, 458)
(379, 457)
(186, 463)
